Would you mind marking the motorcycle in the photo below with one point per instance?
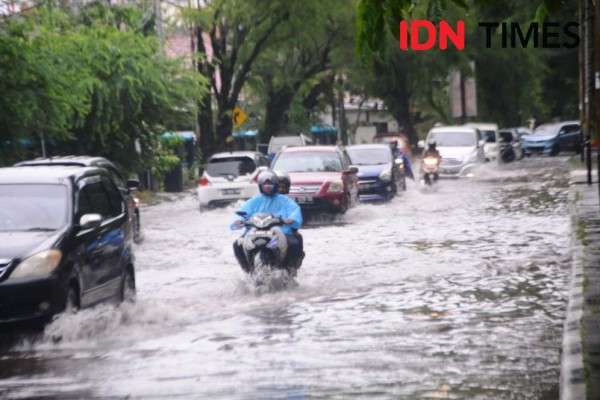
(264, 246)
(430, 167)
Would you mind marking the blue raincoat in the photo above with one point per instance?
(279, 205)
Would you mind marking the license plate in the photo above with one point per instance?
(304, 199)
(231, 191)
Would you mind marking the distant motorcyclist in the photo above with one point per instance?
(432, 151)
(270, 201)
(398, 153)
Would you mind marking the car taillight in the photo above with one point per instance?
(204, 181)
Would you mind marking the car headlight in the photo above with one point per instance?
(335, 187)
(39, 265)
(386, 175)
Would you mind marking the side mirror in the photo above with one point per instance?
(481, 143)
(133, 184)
(90, 221)
(421, 144)
(352, 171)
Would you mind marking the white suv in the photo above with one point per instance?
(490, 137)
(229, 177)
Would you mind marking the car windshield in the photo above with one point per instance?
(505, 136)
(33, 207)
(546, 129)
(370, 156)
(452, 139)
(490, 136)
(226, 166)
(321, 161)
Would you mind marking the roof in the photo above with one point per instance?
(486, 126)
(80, 161)
(453, 128)
(188, 136)
(251, 154)
(43, 175)
(368, 146)
(306, 149)
(562, 123)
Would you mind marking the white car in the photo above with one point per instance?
(490, 136)
(461, 149)
(279, 142)
(229, 177)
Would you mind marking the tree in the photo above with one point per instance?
(237, 32)
(105, 85)
(301, 56)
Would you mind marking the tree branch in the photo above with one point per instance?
(242, 75)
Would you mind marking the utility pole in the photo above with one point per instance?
(581, 58)
(596, 96)
(589, 84)
(158, 20)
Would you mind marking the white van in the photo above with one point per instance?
(278, 142)
(461, 148)
(490, 137)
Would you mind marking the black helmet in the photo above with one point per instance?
(431, 143)
(265, 178)
(284, 182)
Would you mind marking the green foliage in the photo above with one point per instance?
(93, 82)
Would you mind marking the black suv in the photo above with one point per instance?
(65, 241)
(126, 187)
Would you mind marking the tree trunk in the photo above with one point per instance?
(205, 113)
(277, 107)
(224, 127)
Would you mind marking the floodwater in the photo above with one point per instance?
(453, 293)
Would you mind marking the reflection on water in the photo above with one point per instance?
(456, 293)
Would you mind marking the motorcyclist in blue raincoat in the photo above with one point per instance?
(270, 201)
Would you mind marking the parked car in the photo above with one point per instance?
(551, 139)
(490, 137)
(127, 187)
(229, 177)
(380, 176)
(461, 148)
(322, 177)
(521, 131)
(510, 137)
(66, 241)
(276, 143)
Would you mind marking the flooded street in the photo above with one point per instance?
(455, 293)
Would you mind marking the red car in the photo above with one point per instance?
(322, 179)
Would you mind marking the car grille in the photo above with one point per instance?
(305, 189)
(451, 161)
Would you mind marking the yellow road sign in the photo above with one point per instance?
(239, 117)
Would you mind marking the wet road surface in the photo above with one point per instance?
(458, 293)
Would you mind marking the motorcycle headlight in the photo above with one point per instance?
(386, 175)
(40, 265)
(335, 187)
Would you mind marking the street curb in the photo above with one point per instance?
(576, 373)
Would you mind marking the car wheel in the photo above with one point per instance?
(72, 303)
(128, 292)
(555, 150)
